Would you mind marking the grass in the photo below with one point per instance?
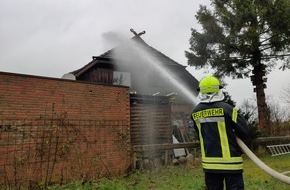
(185, 178)
(255, 178)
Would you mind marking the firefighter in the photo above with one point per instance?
(217, 124)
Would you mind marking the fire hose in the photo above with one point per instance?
(262, 165)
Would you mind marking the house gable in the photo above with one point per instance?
(150, 71)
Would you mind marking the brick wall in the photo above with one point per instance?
(23, 97)
(54, 129)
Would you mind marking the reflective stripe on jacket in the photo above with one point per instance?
(216, 124)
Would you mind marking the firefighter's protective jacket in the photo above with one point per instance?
(217, 123)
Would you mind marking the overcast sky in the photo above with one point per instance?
(53, 37)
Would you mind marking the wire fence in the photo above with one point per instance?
(36, 153)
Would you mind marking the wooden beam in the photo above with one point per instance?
(167, 146)
(269, 139)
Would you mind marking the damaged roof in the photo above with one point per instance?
(110, 57)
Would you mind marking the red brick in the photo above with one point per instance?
(28, 99)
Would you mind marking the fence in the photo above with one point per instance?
(150, 120)
(34, 152)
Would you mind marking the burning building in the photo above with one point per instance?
(162, 91)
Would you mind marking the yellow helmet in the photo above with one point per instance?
(209, 85)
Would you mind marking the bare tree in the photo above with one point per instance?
(285, 95)
(278, 113)
(249, 107)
